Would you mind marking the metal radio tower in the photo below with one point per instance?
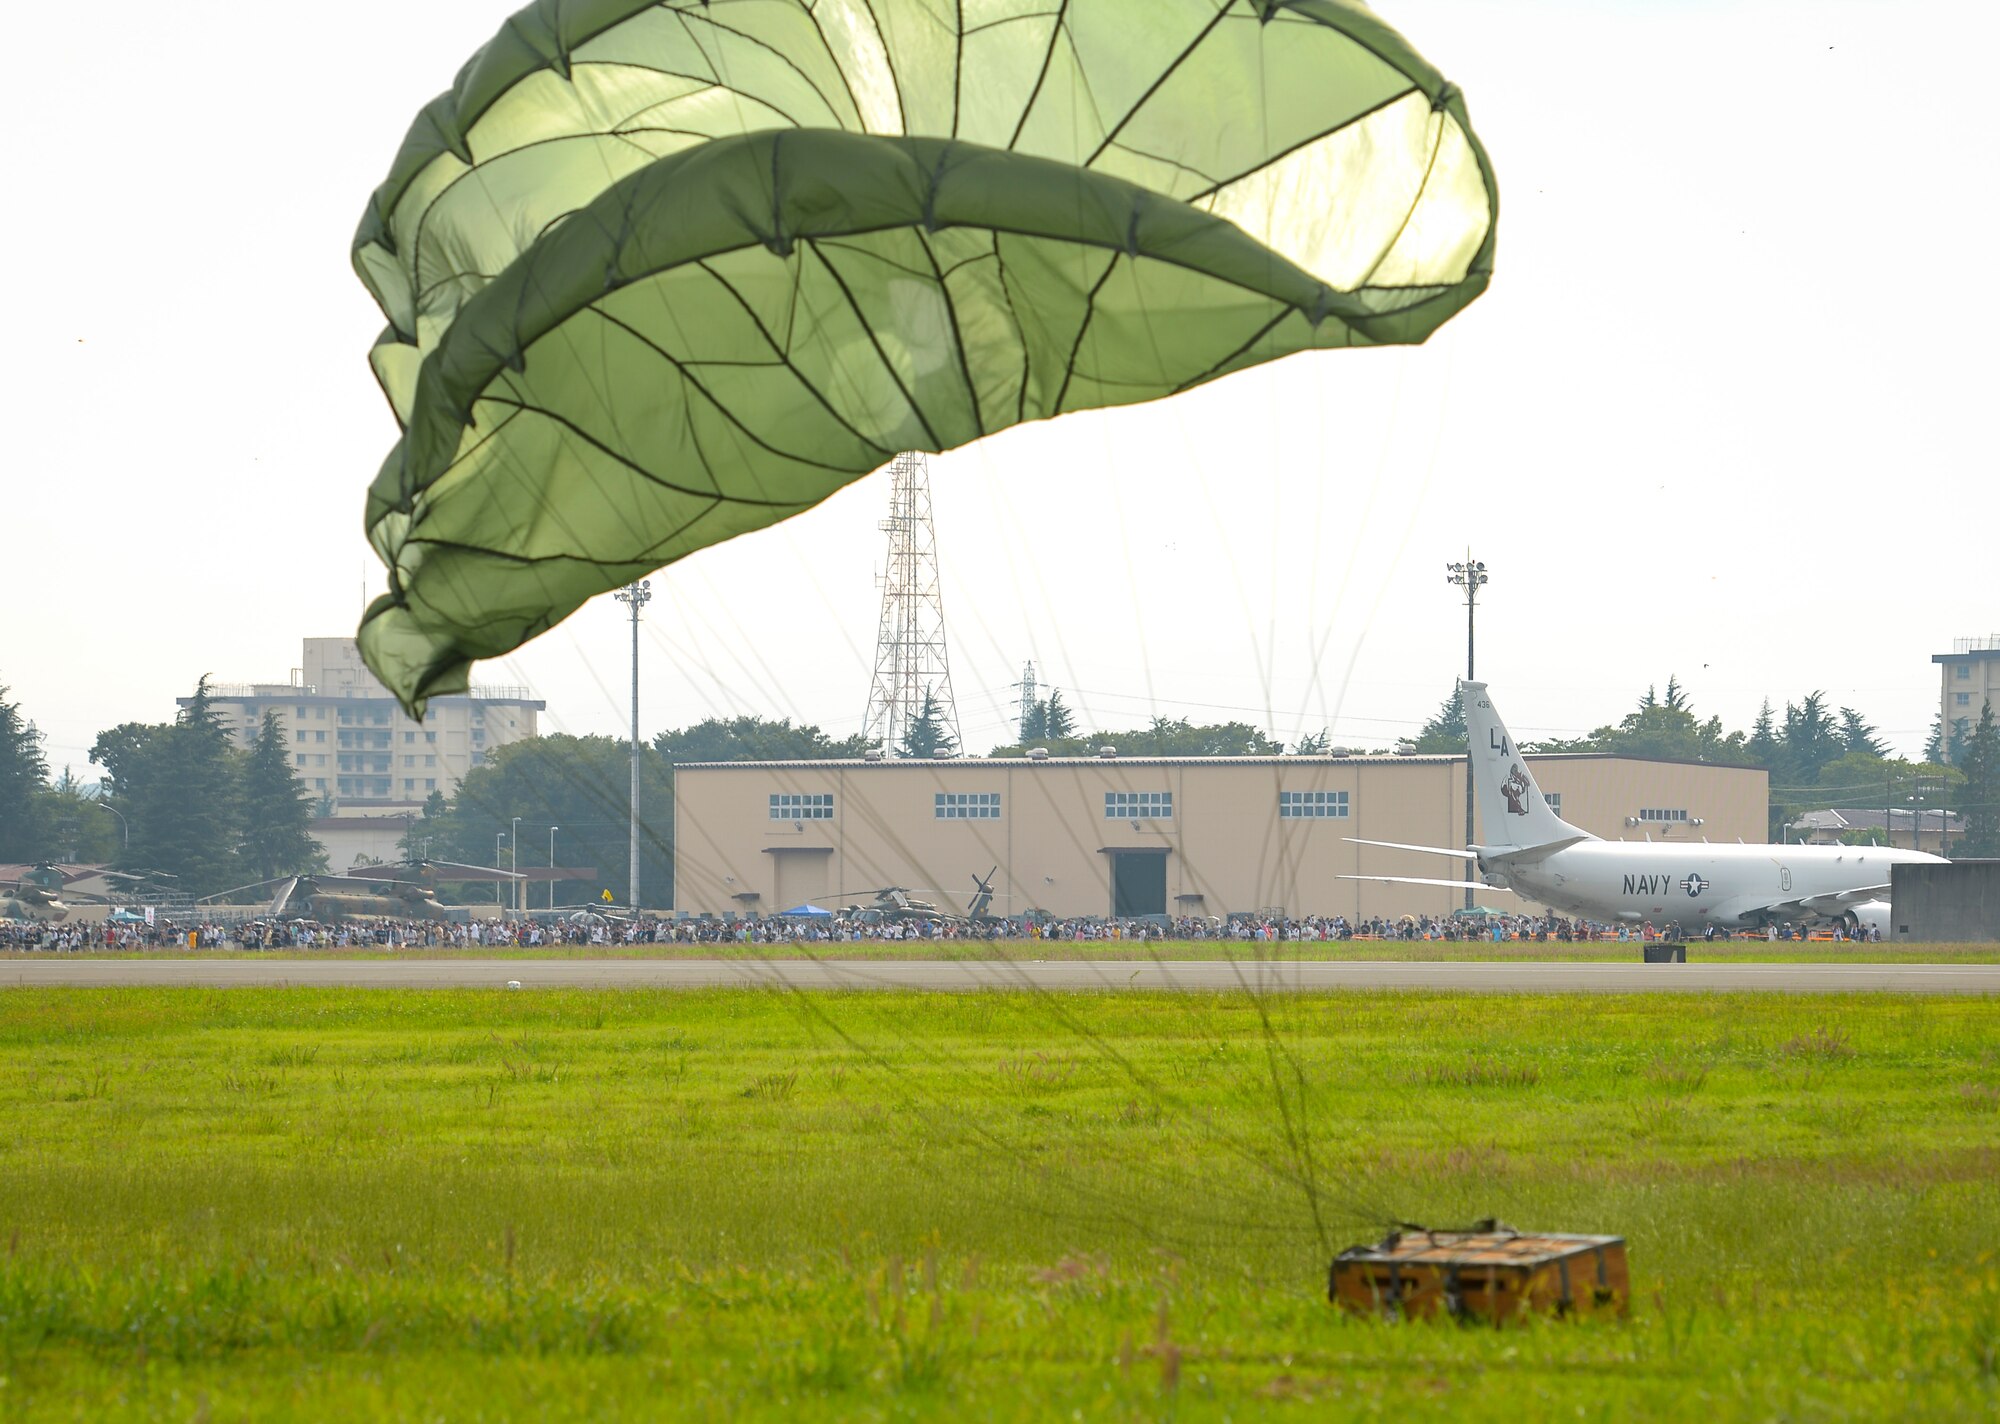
(1028, 700)
(910, 660)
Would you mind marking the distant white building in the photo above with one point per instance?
(370, 765)
(1971, 676)
(1916, 829)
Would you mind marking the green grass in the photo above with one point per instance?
(755, 1204)
(1718, 952)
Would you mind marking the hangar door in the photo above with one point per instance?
(1138, 882)
(799, 876)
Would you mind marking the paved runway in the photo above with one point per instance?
(961, 975)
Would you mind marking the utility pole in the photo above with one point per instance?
(552, 867)
(514, 863)
(637, 595)
(1470, 576)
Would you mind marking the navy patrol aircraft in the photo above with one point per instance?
(1534, 852)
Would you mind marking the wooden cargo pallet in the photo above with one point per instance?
(1490, 1272)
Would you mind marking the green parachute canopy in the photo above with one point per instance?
(658, 274)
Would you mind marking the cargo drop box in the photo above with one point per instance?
(1488, 1274)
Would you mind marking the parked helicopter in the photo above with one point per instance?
(395, 892)
(38, 895)
(894, 902)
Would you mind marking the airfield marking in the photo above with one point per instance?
(1499, 977)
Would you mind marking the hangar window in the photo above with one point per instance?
(1965, 672)
(1656, 813)
(1964, 699)
(966, 806)
(1555, 800)
(808, 806)
(1312, 805)
(1138, 805)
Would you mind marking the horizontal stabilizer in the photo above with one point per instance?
(1414, 880)
(1427, 850)
(1529, 855)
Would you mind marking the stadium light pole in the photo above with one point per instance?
(552, 867)
(514, 863)
(637, 596)
(123, 823)
(1470, 576)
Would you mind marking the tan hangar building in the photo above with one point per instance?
(1145, 835)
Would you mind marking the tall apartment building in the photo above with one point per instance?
(1971, 679)
(352, 745)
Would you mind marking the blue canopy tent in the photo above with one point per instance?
(805, 912)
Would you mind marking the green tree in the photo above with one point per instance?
(1857, 734)
(1979, 762)
(24, 775)
(1762, 746)
(1178, 737)
(1057, 719)
(1810, 740)
(1934, 743)
(1313, 743)
(76, 827)
(579, 785)
(755, 739)
(179, 786)
(277, 810)
(1061, 721)
(927, 735)
(1444, 734)
(1662, 727)
(1048, 719)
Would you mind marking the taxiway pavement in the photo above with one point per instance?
(1208, 975)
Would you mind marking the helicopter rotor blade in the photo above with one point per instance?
(225, 894)
(493, 872)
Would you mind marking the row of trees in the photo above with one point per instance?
(178, 799)
(194, 806)
(40, 819)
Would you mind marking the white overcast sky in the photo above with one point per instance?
(1727, 410)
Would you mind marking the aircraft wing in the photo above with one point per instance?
(1834, 903)
(1478, 885)
(1427, 850)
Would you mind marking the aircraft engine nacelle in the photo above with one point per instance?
(1870, 915)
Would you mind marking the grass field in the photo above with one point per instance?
(754, 1204)
(1400, 951)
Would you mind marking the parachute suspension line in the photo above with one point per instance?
(912, 681)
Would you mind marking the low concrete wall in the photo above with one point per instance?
(1946, 904)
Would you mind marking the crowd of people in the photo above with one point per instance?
(590, 928)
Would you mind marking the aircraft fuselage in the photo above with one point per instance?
(1729, 886)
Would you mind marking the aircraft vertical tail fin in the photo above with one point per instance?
(1513, 813)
